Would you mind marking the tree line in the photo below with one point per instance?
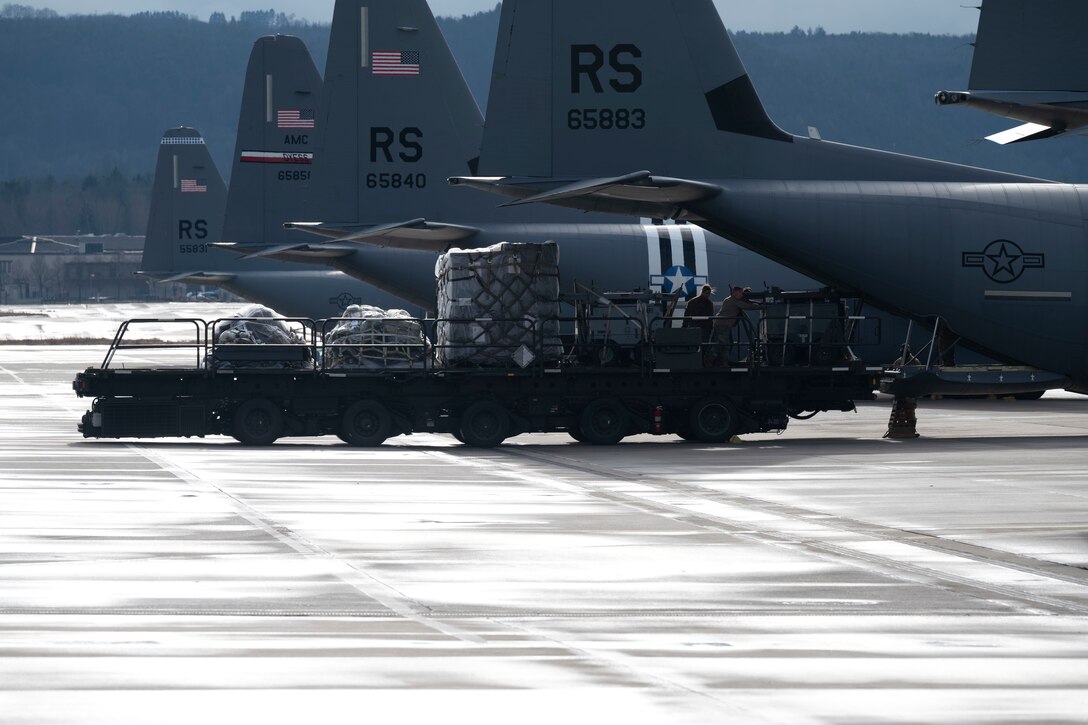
(110, 203)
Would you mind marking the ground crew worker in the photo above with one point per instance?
(702, 307)
(728, 316)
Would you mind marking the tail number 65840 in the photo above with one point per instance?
(391, 180)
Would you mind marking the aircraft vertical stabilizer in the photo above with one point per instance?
(1031, 64)
(188, 198)
(273, 178)
(398, 116)
(1031, 45)
(581, 87)
(568, 80)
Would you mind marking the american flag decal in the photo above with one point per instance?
(191, 186)
(395, 62)
(295, 118)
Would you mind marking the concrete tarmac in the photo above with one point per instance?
(824, 575)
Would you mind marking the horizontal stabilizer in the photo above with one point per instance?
(286, 252)
(617, 194)
(323, 229)
(414, 234)
(189, 277)
(1026, 132)
(581, 188)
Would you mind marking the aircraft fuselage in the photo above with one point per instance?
(1005, 264)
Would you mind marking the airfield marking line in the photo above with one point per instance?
(501, 617)
(618, 662)
(514, 620)
(1064, 572)
(359, 579)
(55, 399)
(721, 515)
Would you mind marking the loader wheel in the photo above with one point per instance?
(365, 423)
(604, 422)
(712, 420)
(575, 432)
(485, 424)
(685, 433)
(257, 422)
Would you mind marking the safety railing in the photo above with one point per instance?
(152, 343)
(357, 344)
(938, 346)
(703, 342)
(793, 339)
(493, 342)
(773, 340)
(526, 344)
(609, 341)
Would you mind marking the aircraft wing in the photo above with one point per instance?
(638, 193)
(414, 234)
(189, 277)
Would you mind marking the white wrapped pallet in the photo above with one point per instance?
(370, 337)
(498, 303)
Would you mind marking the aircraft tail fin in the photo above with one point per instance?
(585, 90)
(272, 180)
(576, 82)
(188, 198)
(1027, 45)
(398, 116)
(1029, 64)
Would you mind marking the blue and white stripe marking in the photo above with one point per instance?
(677, 256)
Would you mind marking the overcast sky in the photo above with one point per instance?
(836, 16)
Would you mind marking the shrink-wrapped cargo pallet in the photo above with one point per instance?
(498, 304)
(370, 337)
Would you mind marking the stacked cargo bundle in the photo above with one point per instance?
(256, 325)
(370, 337)
(498, 304)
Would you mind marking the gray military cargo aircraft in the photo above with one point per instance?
(399, 119)
(582, 93)
(191, 208)
(1030, 64)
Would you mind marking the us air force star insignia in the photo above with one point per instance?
(679, 277)
(1003, 261)
(344, 299)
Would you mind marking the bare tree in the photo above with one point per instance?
(43, 270)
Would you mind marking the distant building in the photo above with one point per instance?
(71, 269)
